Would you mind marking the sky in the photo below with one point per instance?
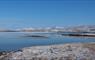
(46, 13)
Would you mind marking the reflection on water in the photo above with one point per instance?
(17, 40)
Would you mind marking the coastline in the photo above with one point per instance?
(85, 51)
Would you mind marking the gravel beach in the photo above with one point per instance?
(85, 51)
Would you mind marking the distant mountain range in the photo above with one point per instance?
(83, 28)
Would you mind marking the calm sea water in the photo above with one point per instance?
(17, 40)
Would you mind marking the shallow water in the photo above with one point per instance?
(17, 40)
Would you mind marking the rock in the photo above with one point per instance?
(54, 52)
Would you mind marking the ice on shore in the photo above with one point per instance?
(54, 52)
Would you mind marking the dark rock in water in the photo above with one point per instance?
(36, 36)
(79, 35)
(3, 53)
(18, 50)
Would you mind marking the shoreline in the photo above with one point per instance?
(79, 35)
(56, 50)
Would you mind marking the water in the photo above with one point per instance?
(16, 40)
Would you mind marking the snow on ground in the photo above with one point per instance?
(53, 52)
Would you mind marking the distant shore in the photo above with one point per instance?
(79, 35)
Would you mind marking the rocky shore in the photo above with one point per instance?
(79, 34)
(78, 51)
